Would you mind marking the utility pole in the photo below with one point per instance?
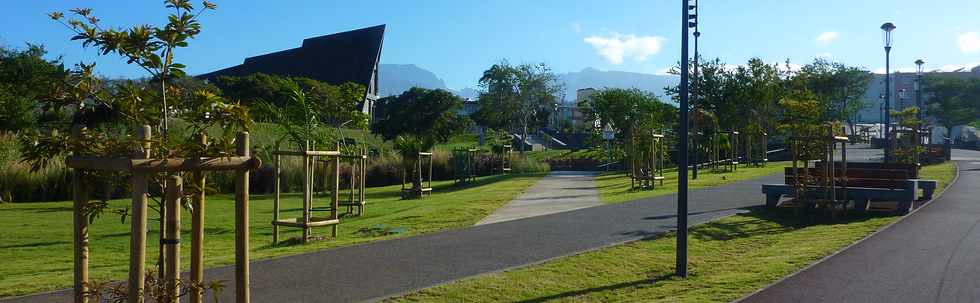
(682, 148)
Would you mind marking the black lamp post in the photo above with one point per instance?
(694, 102)
(918, 89)
(887, 28)
(682, 142)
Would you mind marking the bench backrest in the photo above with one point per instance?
(912, 169)
(857, 177)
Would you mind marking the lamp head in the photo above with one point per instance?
(887, 29)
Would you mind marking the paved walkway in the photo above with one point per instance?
(559, 191)
(375, 270)
(932, 255)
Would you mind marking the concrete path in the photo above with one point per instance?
(557, 192)
(933, 255)
(376, 270)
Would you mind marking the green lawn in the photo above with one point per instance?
(36, 238)
(615, 188)
(729, 258)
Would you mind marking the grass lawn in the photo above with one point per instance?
(615, 188)
(729, 258)
(36, 238)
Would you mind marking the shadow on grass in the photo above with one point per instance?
(36, 244)
(617, 286)
(760, 220)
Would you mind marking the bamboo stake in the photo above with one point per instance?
(80, 199)
(137, 242)
(242, 294)
(197, 235)
(171, 242)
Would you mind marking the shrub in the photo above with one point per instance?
(526, 165)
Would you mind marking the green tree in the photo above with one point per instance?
(417, 120)
(838, 87)
(953, 101)
(517, 98)
(629, 110)
(149, 47)
(336, 104)
(25, 77)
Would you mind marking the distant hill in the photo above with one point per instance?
(397, 78)
(594, 78)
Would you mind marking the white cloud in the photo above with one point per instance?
(616, 47)
(826, 37)
(824, 55)
(576, 26)
(969, 42)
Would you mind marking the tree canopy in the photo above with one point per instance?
(952, 100)
(428, 116)
(25, 76)
(517, 98)
(335, 104)
(628, 110)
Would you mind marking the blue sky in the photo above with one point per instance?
(458, 39)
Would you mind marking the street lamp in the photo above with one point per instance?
(887, 28)
(918, 89)
(693, 23)
(682, 142)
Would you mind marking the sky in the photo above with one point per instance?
(459, 39)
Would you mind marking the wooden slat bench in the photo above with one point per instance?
(865, 182)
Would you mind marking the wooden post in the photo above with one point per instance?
(307, 197)
(80, 199)
(241, 224)
(137, 242)
(335, 194)
(197, 235)
(364, 163)
(171, 242)
(276, 200)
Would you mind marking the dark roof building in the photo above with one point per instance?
(336, 59)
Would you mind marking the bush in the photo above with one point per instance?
(526, 165)
(19, 184)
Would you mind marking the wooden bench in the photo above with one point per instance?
(865, 182)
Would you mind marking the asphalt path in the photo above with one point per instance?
(376, 270)
(933, 255)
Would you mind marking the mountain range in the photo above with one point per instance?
(397, 78)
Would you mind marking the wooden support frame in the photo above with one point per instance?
(421, 164)
(332, 161)
(506, 158)
(354, 198)
(464, 164)
(646, 160)
(820, 192)
(142, 166)
(725, 159)
(756, 158)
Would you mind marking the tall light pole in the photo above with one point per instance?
(918, 89)
(887, 28)
(694, 101)
(681, 267)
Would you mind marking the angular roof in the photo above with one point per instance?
(335, 59)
